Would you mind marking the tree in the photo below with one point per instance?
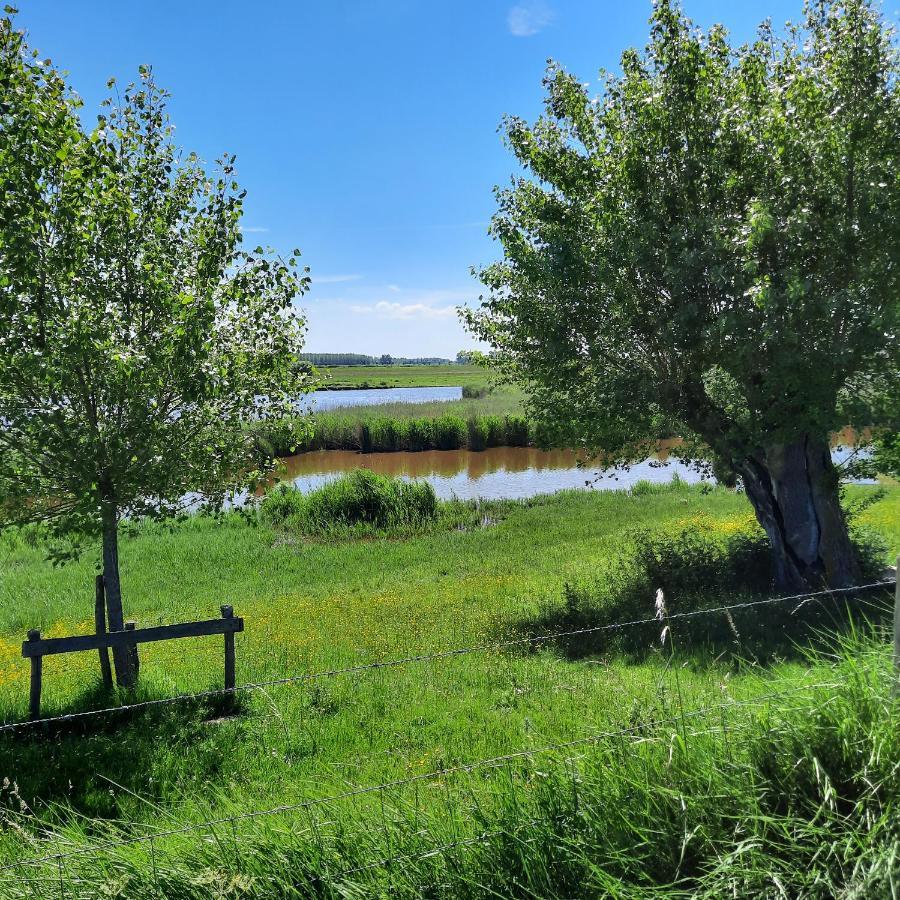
(137, 338)
(386, 359)
(712, 246)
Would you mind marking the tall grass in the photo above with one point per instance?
(361, 498)
(494, 419)
(800, 788)
(382, 434)
(702, 562)
(797, 797)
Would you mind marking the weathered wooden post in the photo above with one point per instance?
(228, 613)
(36, 648)
(100, 628)
(135, 659)
(34, 702)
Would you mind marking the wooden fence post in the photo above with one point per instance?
(228, 613)
(135, 659)
(36, 648)
(34, 703)
(100, 628)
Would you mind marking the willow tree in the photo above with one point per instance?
(712, 247)
(137, 338)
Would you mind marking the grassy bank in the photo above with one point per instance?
(492, 420)
(348, 377)
(654, 806)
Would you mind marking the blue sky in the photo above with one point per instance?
(365, 130)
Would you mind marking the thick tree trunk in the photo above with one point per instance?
(794, 491)
(121, 656)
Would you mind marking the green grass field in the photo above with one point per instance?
(548, 826)
(338, 377)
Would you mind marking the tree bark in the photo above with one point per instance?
(121, 656)
(793, 488)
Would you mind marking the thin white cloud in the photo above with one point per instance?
(384, 309)
(253, 229)
(526, 19)
(334, 279)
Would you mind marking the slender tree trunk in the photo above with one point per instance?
(121, 656)
(794, 491)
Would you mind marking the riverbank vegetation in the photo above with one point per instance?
(361, 501)
(490, 418)
(313, 605)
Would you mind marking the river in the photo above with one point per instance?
(320, 401)
(496, 473)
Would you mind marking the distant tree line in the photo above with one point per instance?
(360, 359)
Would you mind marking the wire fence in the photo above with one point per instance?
(638, 731)
(49, 868)
(487, 647)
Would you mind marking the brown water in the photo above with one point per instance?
(497, 473)
(500, 472)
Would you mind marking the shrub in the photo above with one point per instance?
(870, 548)
(699, 563)
(360, 498)
(280, 504)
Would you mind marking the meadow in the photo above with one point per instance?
(797, 749)
(344, 377)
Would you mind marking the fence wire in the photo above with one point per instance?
(477, 765)
(438, 655)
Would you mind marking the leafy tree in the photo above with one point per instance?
(884, 458)
(386, 359)
(713, 246)
(137, 337)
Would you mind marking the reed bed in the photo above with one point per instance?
(494, 419)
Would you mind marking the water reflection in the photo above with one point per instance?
(497, 473)
(503, 472)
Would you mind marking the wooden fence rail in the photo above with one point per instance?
(36, 647)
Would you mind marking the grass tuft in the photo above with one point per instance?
(360, 498)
